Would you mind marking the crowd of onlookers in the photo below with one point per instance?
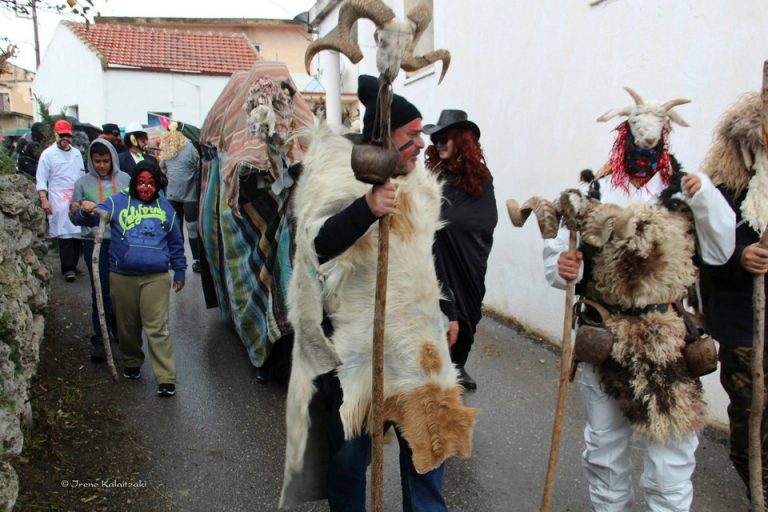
(144, 194)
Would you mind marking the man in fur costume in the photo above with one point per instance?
(331, 300)
(638, 171)
(738, 166)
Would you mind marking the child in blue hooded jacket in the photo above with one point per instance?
(145, 243)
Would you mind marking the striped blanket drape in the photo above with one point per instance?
(245, 228)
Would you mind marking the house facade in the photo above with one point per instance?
(16, 108)
(124, 73)
(535, 75)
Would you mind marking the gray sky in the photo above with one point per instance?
(20, 31)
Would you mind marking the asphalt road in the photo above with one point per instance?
(218, 445)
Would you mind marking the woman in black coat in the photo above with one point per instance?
(469, 210)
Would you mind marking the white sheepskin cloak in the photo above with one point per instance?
(421, 390)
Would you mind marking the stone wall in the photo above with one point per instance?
(24, 282)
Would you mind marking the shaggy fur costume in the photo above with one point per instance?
(649, 261)
(737, 158)
(422, 394)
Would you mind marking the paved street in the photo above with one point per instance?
(218, 444)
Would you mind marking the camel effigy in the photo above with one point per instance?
(247, 178)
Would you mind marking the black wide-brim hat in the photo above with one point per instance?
(450, 118)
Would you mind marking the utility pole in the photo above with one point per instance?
(37, 40)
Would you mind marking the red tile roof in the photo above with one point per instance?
(163, 50)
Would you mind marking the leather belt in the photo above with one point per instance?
(650, 308)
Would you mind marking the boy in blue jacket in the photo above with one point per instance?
(145, 243)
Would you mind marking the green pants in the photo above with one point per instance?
(142, 302)
(736, 378)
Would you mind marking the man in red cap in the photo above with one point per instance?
(57, 171)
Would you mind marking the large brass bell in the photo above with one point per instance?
(373, 164)
(700, 356)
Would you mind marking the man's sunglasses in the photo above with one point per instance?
(439, 140)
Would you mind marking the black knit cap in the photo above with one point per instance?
(402, 111)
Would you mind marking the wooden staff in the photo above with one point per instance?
(103, 221)
(562, 392)
(758, 339)
(379, 319)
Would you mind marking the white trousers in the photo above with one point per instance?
(667, 468)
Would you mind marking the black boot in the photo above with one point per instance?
(466, 379)
(263, 374)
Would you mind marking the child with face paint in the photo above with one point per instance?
(145, 243)
(104, 179)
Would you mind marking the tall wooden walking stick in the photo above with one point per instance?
(758, 339)
(377, 173)
(103, 221)
(548, 215)
(396, 42)
(562, 390)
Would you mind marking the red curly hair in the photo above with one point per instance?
(467, 161)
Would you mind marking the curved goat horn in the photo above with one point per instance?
(421, 16)
(673, 103)
(599, 224)
(351, 11)
(545, 211)
(676, 118)
(625, 224)
(414, 63)
(622, 111)
(638, 99)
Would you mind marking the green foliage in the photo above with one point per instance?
(7, 165)
(43, 108)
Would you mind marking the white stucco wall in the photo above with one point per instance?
(130, 94)
(536, 75)
(70, 74)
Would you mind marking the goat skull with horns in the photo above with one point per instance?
(647, 119)
(396, 39)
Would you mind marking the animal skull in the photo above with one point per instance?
(395, 39)
(647, 120)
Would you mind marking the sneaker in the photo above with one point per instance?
(69, 276)
(166, 389)
(98, 355)
(132, 372)
(196, 266)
